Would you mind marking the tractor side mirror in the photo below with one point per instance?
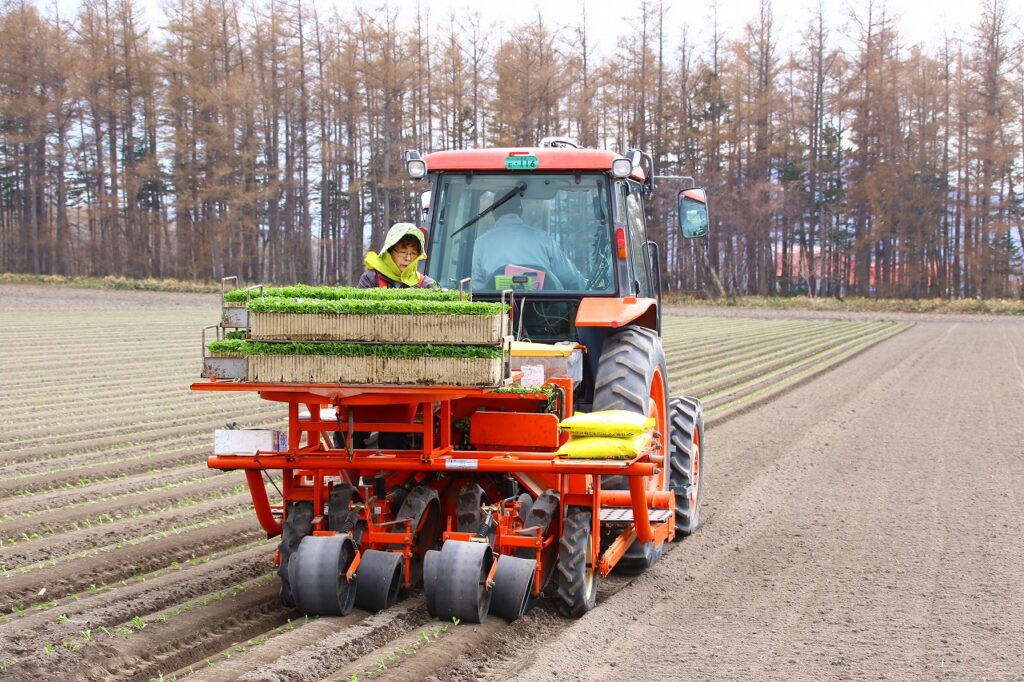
(693, 212)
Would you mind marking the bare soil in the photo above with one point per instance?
(49, 297)
(863, 525)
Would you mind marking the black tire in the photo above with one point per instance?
(380, 579)
(544, 510)
(627, 365)
(468, 516)
(297, 524)
(459, 581)
(623, 382)
(339, 517)
(513, 587)
(686, 462)
(525, 505)
(578, 578)
(316, 574)
(422, 505)
(431, 562)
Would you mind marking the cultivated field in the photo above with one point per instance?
(122, 555)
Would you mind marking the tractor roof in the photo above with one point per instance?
(548, 159)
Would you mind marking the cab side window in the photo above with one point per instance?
(640, 276)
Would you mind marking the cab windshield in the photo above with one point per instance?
(537, 232)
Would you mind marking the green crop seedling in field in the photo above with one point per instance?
(396, 306)
(382, 350)
(339, 293)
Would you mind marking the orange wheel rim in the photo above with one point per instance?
(695, 473)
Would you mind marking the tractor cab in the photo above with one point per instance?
(563, 228)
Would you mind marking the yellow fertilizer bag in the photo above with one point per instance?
(608, 423)
(600, 447)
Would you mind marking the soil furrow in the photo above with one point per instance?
(102, 536)
(62, 520)
(77, 574)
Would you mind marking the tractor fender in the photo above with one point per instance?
(617, 312)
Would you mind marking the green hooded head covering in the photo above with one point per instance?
(386, 266)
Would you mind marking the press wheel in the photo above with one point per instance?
(513, 586)
(460, 582)
(316, 574)
(380, 579)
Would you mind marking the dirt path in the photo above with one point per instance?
(864, 526)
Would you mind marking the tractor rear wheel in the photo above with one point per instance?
(686, 462)
(632, 375)
(578, 578)
(297, 524)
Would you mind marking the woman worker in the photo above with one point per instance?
(396, 265)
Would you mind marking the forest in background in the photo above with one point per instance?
(264, 139)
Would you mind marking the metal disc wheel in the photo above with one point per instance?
(632, 376)
(380, 579)
(460, 581)
(317, 575)
(513, 587)
(686, 462)
(578, 578)
(297, 524)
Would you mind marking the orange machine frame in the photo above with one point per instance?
(310, 465)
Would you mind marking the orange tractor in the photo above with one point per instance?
(462, 488)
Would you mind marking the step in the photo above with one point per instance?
(624, 515)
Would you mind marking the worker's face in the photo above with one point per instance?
(404, 254)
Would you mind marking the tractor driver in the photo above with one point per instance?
(512, 241)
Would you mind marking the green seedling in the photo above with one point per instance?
(364, 307)
(138, 623)
(306, 291)
(385, 350)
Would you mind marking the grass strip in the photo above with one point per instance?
(391, 306)
(380, 350)
(937, 306)
(111, 282)
(339, 293)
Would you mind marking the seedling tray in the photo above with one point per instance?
(479, 330)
